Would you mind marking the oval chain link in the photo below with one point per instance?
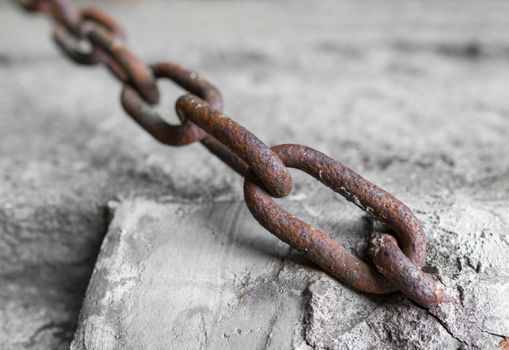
(319, 247)
(72, 45)
(259, 157)
(151, 121)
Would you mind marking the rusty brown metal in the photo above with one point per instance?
(265, 169)
(178, 135)
(405, 275)
(366, 195)
(261, 160)
(124, 65)
(317, 245)
(72, 45)
(151, 121)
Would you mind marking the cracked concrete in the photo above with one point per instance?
(412, 96)
(204, 275)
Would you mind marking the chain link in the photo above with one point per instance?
(141, 112)
(73, 45)
(397, 263)
(257, 155)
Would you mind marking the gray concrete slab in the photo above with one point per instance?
(188, 275)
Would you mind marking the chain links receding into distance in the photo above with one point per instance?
(89, 36)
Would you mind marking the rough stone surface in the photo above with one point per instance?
(411, 95)
(187, 275)
(238, 287)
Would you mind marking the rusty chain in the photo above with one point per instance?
(89, 36)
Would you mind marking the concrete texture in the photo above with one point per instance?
(187, 275)
(411, 95)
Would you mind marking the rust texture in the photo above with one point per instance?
(151, 121)
(72, 44)
(123, 64)
(260, 159)
(362, 193)
(320, 247)
(188, 132)
(89, 36)
(406, 276)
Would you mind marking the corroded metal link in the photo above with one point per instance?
(410, 280)
(151, 121)
(188, 132)
(317, 245)
(124, 65)
(72, 45)
(191, 81)
(361, 192)
(261, 160)
(313, 243)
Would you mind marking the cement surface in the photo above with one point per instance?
(411, 95)
(187, 275)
